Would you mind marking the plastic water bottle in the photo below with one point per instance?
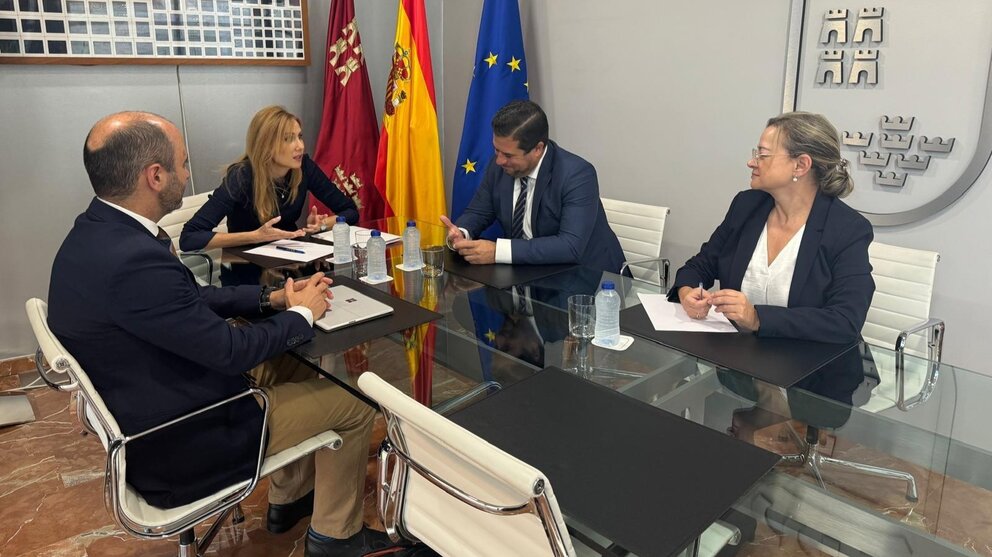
(377, 256)
(341, 233)
(608, 315)
(411, 246)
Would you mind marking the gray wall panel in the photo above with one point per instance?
(664, 101)
(219, 102)
(47, 112)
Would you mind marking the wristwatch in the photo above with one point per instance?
(264, 299)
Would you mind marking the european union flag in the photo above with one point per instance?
(500, 76)
(488, 322)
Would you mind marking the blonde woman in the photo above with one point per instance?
(791, 257)
(265, 192)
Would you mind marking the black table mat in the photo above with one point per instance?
(780, 361)
(648, 480)
(498, 275)
(404, 316)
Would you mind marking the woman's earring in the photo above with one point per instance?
(795, 178)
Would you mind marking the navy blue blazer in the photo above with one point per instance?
(831, 286)
(235, 199)
(156, 346)
(567, 218)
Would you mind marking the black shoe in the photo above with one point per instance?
(282, 518)
(363, 542)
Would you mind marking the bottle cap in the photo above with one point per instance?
(412, 223)
(608, 285)
(340, 219)
(376, 234)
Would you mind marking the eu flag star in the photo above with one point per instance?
(490, 336)
(514, 64)
(492, 59)
(469, 166)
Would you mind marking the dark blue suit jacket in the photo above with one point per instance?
(567, 218)
(235, 199)
(831, 286)
(156, 346)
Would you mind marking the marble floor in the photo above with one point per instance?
(51, 496)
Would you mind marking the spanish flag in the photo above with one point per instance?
(408, 168)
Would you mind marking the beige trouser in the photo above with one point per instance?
(301, 405)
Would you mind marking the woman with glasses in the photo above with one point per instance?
(791, 257)
(265, 192)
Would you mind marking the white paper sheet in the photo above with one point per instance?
(329, 236)
(669, 316)
(310, 250)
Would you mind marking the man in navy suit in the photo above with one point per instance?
(157, 346)
(545, 198)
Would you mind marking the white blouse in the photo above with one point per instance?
(766, 284)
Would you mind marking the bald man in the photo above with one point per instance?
(158, 346)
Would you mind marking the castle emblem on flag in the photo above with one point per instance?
(349, 185)
(345, 56)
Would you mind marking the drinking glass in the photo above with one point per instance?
(582, 316)
(360, 254)
(433, 260)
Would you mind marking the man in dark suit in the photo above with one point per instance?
(157, 346)
(545, 198)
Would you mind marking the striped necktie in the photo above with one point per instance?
(517, 231)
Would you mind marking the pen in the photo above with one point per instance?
(700, 291)
(293, 250)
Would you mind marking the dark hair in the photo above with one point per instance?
(814, 135)
(523, 121)
(114, 168)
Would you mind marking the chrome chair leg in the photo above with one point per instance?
(211, 533)
(239, 515)
(813, 461)
(187, 544)
(810, 457)
(911, 494)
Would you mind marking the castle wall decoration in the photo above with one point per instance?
(908, 84)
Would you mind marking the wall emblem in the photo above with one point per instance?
(907, 84)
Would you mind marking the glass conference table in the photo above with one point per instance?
(488, 338)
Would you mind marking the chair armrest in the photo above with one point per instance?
(452, 490)
(250, 391)
(113, 494)
(449, 406)
(209, 260)
(47, 372)
(932, 323)
(663, 268)
(935, 345)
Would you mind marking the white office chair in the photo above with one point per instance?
(899, 318)
(640, 228)
(204, 264)
(130, 510)
(467, 497)
(899, 313)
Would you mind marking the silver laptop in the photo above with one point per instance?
(349, 307)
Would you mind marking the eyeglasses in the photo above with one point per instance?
(758, 157)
